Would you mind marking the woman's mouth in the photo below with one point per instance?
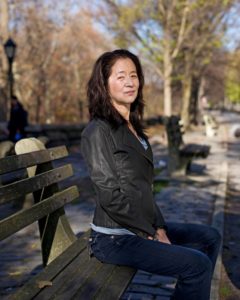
(130, 93)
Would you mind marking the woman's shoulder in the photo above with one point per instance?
(96, 127)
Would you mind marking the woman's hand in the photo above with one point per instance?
(160, 236)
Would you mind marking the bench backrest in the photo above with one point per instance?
(48, 199)
(174, 130)
(6, 147)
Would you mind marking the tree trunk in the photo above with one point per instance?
(194, 102)
(201, 92)
(3, 80)
(167, 81)
(167, 96)
(187, 89)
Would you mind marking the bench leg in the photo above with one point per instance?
(56, 235)
(55, 232)
(188, 167)
(176, 164)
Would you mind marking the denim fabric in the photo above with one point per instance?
(190, 258)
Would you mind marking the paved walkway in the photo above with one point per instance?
(198, 197)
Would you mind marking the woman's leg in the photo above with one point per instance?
(200, 237)
(191, 267)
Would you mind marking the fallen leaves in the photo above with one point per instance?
(43, 283)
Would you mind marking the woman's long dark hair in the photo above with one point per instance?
(99, 100)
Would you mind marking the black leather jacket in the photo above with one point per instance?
(122, 173)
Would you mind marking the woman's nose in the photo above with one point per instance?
(129, 81)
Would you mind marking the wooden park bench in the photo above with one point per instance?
(181, 154)
(68, 272)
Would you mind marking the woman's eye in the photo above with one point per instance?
(134, 76)
(120, 78)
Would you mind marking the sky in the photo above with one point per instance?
(232, 38)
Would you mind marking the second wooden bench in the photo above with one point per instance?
(181, 154)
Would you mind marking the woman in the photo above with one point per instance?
(18, 120)
(128, 227)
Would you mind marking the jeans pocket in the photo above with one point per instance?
(104, 246)
(89, 247)
(118, 240)
(95, 247)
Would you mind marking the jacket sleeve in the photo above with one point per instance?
(159, 220)
(123, 208)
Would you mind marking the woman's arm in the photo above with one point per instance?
(159, 220)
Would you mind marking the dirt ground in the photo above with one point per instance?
(230, 282)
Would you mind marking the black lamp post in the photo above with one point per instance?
(10, 51)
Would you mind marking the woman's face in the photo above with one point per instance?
(123, 83)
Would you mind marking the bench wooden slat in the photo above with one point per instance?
(99, 284)
(118, 282)
(95, 282)
(78, 272)
(23, 218)
(15, 162)
(195, 150)
(74, 276)
(88, 279)
(31, 289)
(28, 185)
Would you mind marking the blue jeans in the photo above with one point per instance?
(190, 258)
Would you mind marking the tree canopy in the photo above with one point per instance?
(180, 42)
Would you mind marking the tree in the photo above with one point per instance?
(167, 33)
(56, 51)
(151, 25)
(208, 26)
(233, 77)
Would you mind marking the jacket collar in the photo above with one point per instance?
(131, 140)
(124, 133)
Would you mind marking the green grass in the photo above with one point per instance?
(158, 186)
(157, 171)
(225, 291)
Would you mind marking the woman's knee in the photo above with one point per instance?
(216, 236)
(200, 264)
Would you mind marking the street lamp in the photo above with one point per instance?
(10, 51)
